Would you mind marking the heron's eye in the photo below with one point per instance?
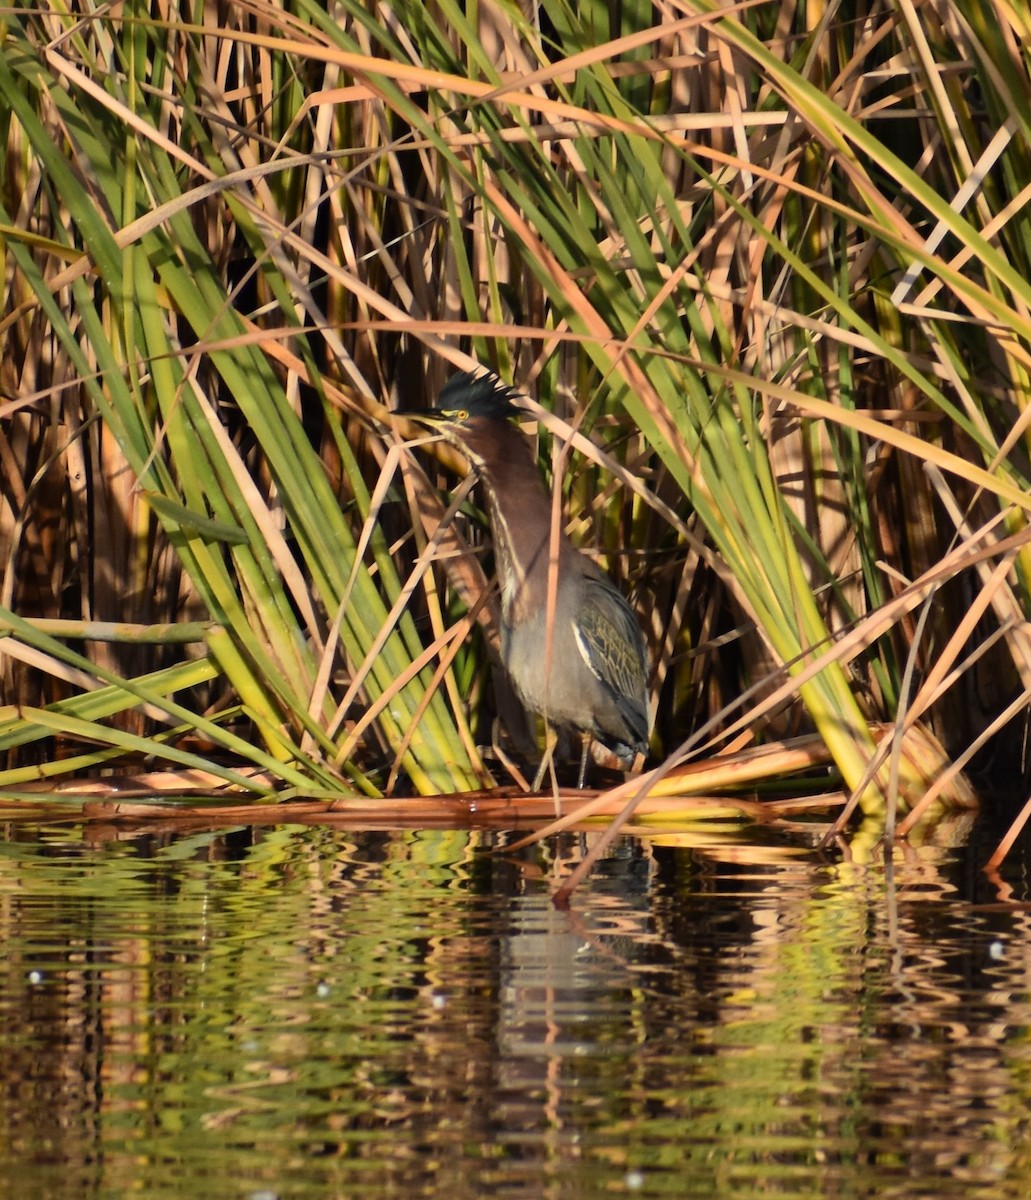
(462, 414)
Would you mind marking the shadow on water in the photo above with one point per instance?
(309, 1012)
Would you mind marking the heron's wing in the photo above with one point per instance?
(610, 640)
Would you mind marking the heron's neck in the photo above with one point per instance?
(520, 515)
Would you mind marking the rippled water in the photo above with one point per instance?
(304, 1012)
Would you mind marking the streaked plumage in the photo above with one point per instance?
(595, 680)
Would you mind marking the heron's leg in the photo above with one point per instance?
(548, 762)
(586, 749)
(550, 738)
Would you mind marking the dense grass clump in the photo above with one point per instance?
(765, 270)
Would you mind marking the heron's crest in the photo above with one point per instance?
(477, 396)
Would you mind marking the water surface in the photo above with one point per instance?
(310, 1012)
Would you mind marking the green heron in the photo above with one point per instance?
(582, 666)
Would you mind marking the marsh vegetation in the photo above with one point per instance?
(764, 269)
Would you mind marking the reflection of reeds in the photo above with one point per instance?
(770, 282)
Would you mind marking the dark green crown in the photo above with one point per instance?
(477, 396)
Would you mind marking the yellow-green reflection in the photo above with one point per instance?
(308, 1012)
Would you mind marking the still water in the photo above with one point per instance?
(311, 1012)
